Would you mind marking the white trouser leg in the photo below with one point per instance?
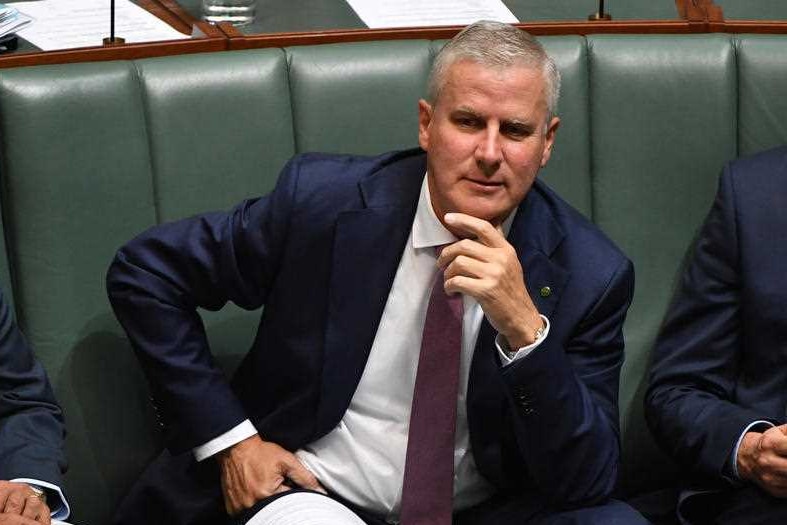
(305, 508)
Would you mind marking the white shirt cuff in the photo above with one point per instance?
(508, 356)
(233, 436)
(59, 509)
(734, 459)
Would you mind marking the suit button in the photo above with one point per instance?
(524, 399)
(545, 291)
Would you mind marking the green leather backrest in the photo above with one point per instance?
(92, 154)
(76, 179)
(753, 10)
(664, 118)
(762, 63)
(357, 98)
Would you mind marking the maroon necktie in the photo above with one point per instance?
(428, 489)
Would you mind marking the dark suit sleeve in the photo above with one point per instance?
(689, 403)
(156, 283)
(31, 423)
(564, 401)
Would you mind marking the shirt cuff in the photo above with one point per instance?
(233, 436)
(508, 356)
(58, 506)
(764, 425)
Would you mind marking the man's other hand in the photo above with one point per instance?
(254, 469)
(21, 504)
(16, 519)
(486, 267)
(762, 459)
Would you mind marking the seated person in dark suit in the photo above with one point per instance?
(441, 339)
(718, 388)
(31, 434)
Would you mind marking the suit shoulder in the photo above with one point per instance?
(582, 235)
(757, 179)
(331, 168)
(769, 164)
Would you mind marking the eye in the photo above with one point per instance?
(466, 121)
(516, 131)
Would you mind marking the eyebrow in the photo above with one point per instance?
(516, 123)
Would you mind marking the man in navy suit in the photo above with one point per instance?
(718, 387)
(343, 256)
(31, 434)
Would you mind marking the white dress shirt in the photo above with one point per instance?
(363, 458)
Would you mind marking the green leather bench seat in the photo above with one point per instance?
(94, 153)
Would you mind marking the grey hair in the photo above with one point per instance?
(495, 45)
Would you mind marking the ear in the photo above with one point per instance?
(424, 120)
(550, 140)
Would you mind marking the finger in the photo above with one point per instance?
(282, 488)
(467, 247)
(773, 483)
(477, 228)
(15, 519)
(471, 286)
(467, 267)
(32, 506)
(774, 440)
(6, 488)
(303, 476)
(36, 509)
(45, 518)
(15, 502)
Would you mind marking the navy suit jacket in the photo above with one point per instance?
(320, 252)
(31, 423)
(721, 358)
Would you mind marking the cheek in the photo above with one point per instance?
(525, 158)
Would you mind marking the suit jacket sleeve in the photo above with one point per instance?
(31, 422)
(564, 400)
(690, 404)
(158, 280)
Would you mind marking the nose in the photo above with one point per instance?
(489, 153)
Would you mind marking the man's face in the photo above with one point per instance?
(485, 139)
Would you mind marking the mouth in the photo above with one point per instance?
(485, 185)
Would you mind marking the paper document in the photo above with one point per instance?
(66, 24)
(11, 20)
(411, 13)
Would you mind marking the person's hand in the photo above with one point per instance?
(255, 469)
(485, 266)
(16, 519)
(762, 459)
(21, 504)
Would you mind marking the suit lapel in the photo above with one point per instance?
(535, 234)
(367, 248)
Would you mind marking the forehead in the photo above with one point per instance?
(470, 84)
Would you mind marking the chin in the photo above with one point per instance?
(492, 216)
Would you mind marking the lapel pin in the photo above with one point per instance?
(545, 291)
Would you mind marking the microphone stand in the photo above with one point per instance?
(112, 40)
(600, 14)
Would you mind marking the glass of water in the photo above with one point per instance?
(236, 12)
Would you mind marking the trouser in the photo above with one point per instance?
(739, 506)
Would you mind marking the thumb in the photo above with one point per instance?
(302, 476)
(783, 429)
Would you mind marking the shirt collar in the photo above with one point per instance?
(429, 232)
